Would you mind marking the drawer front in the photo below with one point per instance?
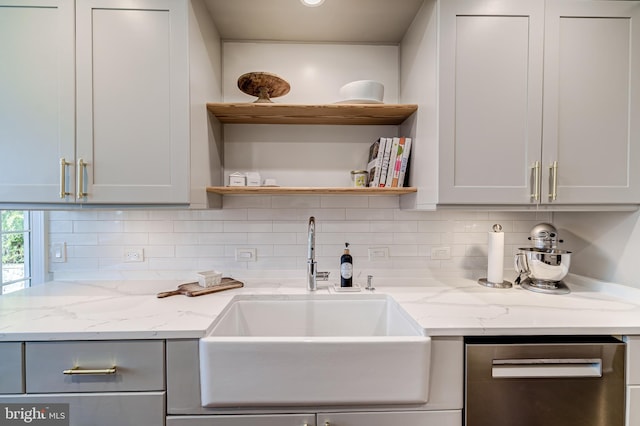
(633, 406)
(404, 418)
(138, 364)
(236, 420)
(98, 409)
(11, 367)
(633, 360)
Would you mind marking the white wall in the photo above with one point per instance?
(605, 245)
(178, 243)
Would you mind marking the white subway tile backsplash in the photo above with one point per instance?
(195, 226)
(178, 243)
(335, 201)
(98, 226)
(148, 226)
(117, 238)
(369, 214)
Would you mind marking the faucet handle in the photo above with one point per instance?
(322, 276)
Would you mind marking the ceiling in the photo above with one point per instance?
(344, 21)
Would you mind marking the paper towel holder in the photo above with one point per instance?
(484, 281)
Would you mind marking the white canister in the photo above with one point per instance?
(359, 178)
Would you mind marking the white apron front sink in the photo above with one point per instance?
(314, 350)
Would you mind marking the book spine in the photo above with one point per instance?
(378, 169)
(374, 153)
(398, 163)
(405, 161)
(392, 162)
(385, 162)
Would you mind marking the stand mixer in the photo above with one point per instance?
(542, 267)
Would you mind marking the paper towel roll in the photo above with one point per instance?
(495, 268)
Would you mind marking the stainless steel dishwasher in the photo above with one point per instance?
(544, 381)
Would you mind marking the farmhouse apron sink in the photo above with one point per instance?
(314, 350)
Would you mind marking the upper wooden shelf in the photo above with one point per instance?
(278, 190)
(358, 114)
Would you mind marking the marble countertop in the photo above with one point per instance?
(450, 306)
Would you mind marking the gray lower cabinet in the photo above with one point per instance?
(404, 418)
(101, 409)
(244, 420)
(105, 383)
(11, 367)
(131, 365)
(633, 380)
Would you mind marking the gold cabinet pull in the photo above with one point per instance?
(536, 181)
(80, 180)
(63, 177)
(77, 371)
(553, 171)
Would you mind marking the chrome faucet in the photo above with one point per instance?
(312, 274)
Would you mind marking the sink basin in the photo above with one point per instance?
(314, 350)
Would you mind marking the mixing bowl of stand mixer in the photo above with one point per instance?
(542, 267)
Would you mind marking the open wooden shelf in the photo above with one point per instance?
(358, 114)
(280, 190)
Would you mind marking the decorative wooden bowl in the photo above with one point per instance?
(264, 85)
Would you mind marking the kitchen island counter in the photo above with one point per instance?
(450, 306)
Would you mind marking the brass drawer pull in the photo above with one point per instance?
(63, 178)
(89, 372)
(553, 170)
(536, 181)
(81, 192)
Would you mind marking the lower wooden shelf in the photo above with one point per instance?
(284, 190)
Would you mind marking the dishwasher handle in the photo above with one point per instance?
(546, 368)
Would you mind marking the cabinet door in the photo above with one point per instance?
(244, 420)
(592, 101)
(11, 367)
(37, 124)
(404, 418)
(100, 409)
(133, 101)
(633, 406)
(490, 99)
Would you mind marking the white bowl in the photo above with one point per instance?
(362, 90)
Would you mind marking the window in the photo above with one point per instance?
(22, 259)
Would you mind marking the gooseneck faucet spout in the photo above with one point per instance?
(311, 256)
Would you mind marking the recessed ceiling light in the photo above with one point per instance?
(312, 3)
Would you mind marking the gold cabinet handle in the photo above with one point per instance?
(77, 371)
(553, 171)
(63, 177)
(80, 180)
(536, 181)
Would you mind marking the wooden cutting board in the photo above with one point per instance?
(194, 289)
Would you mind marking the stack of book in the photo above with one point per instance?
(388, 162)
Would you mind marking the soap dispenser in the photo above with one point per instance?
(346, 268)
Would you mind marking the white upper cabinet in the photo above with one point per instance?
(132, 101)
(537, 102)
(490, 99)
(592, 101)
(94, 102)
(37, 108)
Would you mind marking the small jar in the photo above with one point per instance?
(359, 178)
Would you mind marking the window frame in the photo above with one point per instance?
(34, 250)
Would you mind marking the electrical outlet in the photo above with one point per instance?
(246, 255)
(441, 253)
(378, 253)
(58, 253)
(134, 255)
